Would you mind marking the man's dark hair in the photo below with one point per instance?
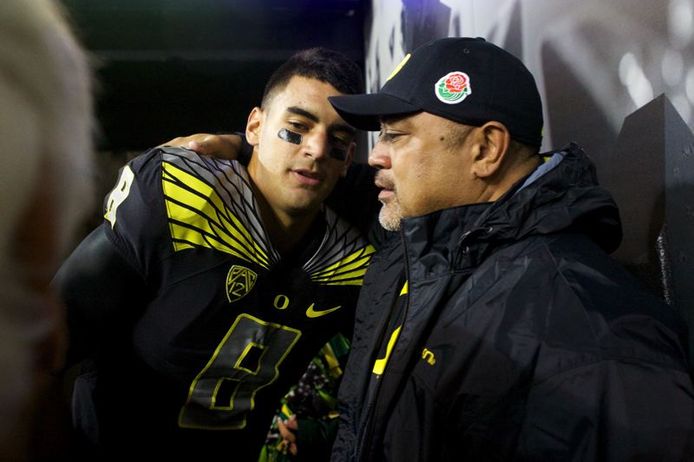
(322, 64)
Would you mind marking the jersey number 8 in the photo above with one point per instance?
(246, 360)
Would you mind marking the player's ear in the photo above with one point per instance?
(254, 125)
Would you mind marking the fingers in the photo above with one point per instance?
(292, 423)
(285, 446)
(206, 144)
(287, 429)
(193, 142)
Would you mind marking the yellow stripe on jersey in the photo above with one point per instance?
(380, 364)
(202, 213)
(211, 204)
(199, 217)
(347, 271)
(405, 289)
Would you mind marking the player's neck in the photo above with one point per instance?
(285, 230)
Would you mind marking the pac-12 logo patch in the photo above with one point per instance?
(453, 87)
(240, 281)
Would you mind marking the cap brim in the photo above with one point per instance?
(365, 111)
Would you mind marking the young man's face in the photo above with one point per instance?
(302, 146)
(421, 170)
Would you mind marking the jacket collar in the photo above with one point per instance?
(562, 195)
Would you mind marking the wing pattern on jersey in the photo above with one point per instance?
(342, 257)
(210, 203)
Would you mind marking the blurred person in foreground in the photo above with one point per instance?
(495, 326)
(45, 125)
(210, 285)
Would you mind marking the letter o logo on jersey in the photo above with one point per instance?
(453, 87)
(240, 281)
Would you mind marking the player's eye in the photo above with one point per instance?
(297, 126)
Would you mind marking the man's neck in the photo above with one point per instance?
(285, 230)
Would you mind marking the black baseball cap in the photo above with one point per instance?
(467, 80)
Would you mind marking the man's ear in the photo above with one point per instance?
(349, 157)
(492, 142)
(254, 126)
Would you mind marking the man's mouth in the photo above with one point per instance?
(307, 177)
(387, 188)
(386, 193)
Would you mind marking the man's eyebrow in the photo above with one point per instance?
(303, 112)
(394, 119)
(309, 115)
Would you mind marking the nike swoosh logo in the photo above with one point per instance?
(311, 313)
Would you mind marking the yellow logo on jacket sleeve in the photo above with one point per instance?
(428, 356)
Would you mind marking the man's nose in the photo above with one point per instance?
(316, 145)
(379, 157)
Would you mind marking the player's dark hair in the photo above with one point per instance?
(322, 64)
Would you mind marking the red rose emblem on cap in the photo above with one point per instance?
(456, 83)
(453, 87)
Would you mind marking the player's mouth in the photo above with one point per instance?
(307, 177)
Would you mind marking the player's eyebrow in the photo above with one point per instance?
(311, 116)
(303, 112)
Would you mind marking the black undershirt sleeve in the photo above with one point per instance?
(103, 295)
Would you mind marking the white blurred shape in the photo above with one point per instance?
(689, 85)
(672, 67)
(681, 21)
(634, 79)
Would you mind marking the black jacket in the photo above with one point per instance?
(522, 339)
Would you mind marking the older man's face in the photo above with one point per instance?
(420, 169)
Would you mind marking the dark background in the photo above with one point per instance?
(168, 68)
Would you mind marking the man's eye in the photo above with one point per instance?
(387, 137)
(297, 125)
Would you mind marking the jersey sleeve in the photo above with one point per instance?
(105, 283)
(135, 214)
(101, 292)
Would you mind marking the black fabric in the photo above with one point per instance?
(545, 349)
(314, 440)
(108, 305)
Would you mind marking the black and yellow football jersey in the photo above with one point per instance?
(198, 326)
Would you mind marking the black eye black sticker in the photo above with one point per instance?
(289, 136)
(295, 138)
(338, 153)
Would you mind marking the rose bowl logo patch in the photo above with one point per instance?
(453, 87)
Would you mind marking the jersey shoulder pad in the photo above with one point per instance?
(210, 203)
